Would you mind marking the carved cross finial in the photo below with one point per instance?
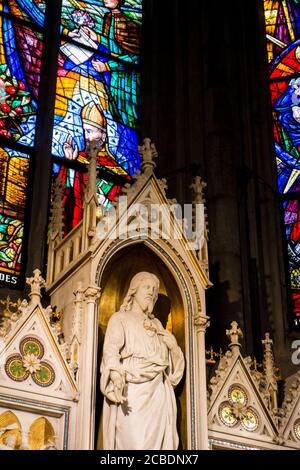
(57, 211)
(36, 283)
(148, 153)
(234, 334)
(267, 342)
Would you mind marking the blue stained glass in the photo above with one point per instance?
(98, 91)
(283, 47)
(20, 64)
(35, 9)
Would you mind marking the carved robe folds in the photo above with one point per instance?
(147, 419)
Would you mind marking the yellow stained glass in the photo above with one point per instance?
(226, 415)
(13, 180)
(297, 430)
(250, 421)
(17, 181)
(237, 395)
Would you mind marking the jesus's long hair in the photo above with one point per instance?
(134, 284)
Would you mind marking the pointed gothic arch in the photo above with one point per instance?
(169, 260)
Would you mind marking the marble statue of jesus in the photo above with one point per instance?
(141, 366)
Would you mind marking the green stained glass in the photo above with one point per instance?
(226, 415)
(104, 186)
(250, 421)
(17, 369)
(16, 105)
(32, 348)
(45, 376)
(237, 395)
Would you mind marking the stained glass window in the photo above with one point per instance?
(14, 168)
(282, 19)
(97, 98)
(20, 66)
(21, 43)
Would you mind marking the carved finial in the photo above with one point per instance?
(267, 342)
(234, 334)
(200, 221)
(77, 311)
(57, 211)
(163, 185)
(148, 153)
(270, 371)
(36, 283)
(198, 186)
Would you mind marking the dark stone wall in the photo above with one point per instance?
(205, 104)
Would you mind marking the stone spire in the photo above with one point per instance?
(148, 152)
(198, 186)
(57, 212)
(90, 190)
(270, 371)
(200, 224)
(90, 203)
(77, 312)
(234, 334)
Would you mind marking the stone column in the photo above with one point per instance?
(88, 371)
(201, 323)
